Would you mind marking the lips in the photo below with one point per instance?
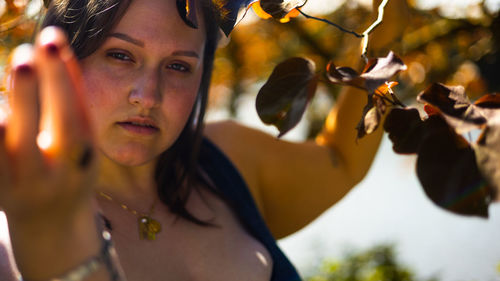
(139, 126)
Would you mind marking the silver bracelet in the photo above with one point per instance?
(90, 266)
(82, 271)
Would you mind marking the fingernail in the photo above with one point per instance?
(22, 58)
(24, 69)
(47, 40)
(52, 49)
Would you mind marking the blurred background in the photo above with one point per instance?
(385, 228)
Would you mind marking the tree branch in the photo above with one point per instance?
(330, 23)
(367, 32)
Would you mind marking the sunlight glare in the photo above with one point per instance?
(3, 114)
(44, 140)
(261, 258)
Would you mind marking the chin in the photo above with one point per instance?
(132, 157)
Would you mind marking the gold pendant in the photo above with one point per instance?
(148, 228)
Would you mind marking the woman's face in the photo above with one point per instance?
(143, 81)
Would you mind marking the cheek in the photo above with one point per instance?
(102, 96)
(179, 97)
(178, 105)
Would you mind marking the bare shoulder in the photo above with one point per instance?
(292, 182)
(223, 133)
(8, 270)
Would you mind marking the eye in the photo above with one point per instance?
(179, 67)
(121, 56)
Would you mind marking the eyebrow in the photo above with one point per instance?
(140, 43)
(186, 54)
(127, 38)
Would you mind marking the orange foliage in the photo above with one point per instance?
(264, 15)
(434, 48)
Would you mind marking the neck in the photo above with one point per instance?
(133, 189)
(127, 183)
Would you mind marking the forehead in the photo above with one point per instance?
(158, 22)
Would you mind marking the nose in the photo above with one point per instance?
(146, 91)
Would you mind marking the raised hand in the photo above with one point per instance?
(46, 165)
(46, 151)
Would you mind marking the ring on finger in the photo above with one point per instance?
(81, 154)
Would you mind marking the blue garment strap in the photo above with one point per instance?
(234, 189)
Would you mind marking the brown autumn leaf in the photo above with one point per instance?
(405, 129)
(284, 97)
(386, 89)
(447, 170)
(487, 151)
(374, 80)
(279, 9)
(454, 104)
(459, 112)
(344, 75)
(373, 116)
(379, 70)
(488, 101)
(447, 167)
(489, 107)
(431, 110)
(187, 11)
(487, 148)
(376, 73)
(361, 127)
(375, 109)
(230, 12)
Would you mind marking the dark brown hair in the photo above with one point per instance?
(87, 24)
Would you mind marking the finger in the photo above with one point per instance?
(23, 121)
(4, 173)
(63, 118)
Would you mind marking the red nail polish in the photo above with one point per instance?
(52, 49)
(24, 69)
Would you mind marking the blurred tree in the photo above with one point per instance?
(17, 26)
(436, 48)
(375, 264)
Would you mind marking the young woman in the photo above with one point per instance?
(107, 123)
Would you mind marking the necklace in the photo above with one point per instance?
(148, 227)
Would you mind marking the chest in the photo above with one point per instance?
(183, 251)
(186, 251)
